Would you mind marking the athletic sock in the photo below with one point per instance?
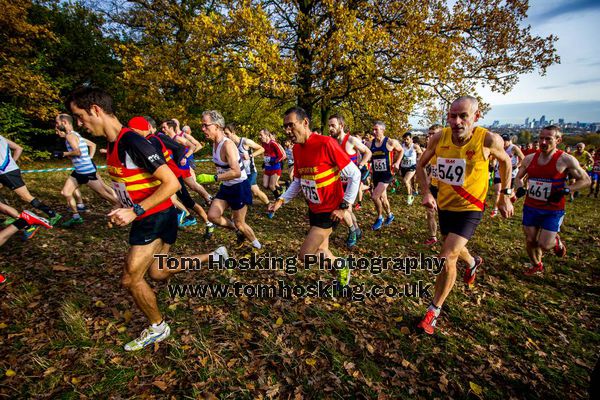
(256, 244)
(20, 223)
(44, 208)
(209, 224)
(76, 216)
(80, 205)
(160, 327)
(435, 309)
(352, 228)
(472, 263)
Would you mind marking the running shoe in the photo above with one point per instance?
(210, 229)
(532, 270)
(82, 208)
(431, 241)
(148, 337)
(2, 279)
(494, 213)
(221, 253)
(471, 272)
(72, 222)
(358, 233)
(428, 323)
(270, 215)
(357, 206)
(389, 219)
(351, 240)
(54, 220)
(559, 248)
(378, 223)
(181, 217)
(410, 199)
(189, 222)
(33, 219)
(8, 221)
(30, 231)
(344, 276)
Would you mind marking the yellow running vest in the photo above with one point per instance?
(462, 172)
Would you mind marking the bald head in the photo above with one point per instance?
(472, 101)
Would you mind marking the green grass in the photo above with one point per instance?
(525, 337)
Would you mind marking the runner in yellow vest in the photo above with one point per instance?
(462, 152)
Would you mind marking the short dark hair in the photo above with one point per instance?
(231, 128)
(86, 96)
(339, 118)
(299, 111)
(435, 127)
(150, 120)
(66, 117)
(554, 129)
(407, 134)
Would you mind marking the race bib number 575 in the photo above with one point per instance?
(451, 170)
(309, 188)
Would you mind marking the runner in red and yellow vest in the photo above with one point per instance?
(544, 208)
(461, 168)
(462, 172)
(318, 162)
(132, 184)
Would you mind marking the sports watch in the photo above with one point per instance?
(344, 205)
(507, 191)
(138, 210)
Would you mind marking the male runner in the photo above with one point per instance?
(273, 156)
(143, 183)
(319, 162)
(353, 147)
(171, 151)
(435, 129)
(462, 152)
(595, 174)
(80, 151)
(408, 165)
(245, 145)
(10, 176)
(544, 208)
(26, 220)
(585, 159)
(516, 157)
(234, 191)
(384, 169)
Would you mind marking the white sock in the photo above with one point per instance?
(256, 244)
(80, 205)
(76, 216)
(472, 263)
(209, 223)
(159, 327)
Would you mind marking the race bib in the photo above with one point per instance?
(267, 160)
(451, 170)
(379, 165)
(121, 191)
(433, 171)
(406, 162)
(309, 188)
(596, 168)
(539, 190)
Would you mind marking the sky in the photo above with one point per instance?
(569, 90)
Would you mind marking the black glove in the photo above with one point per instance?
(58, 154)
(521, 192)
(558, 195)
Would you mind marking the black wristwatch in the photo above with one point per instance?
(344, 205)
(567, 190)
(138, 210)
(507, 191)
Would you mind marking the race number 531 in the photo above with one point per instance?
(451, 170)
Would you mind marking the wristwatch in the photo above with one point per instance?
(566, 190)
(507, 191)
(138, 210)
(344, 205)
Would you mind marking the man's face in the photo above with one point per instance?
(407, 141)
(335, 129)
(209, 128)
(92, 121)
(529, 146)
(61, 127)
(536, 145)
(462, 117)
(378, 131)
(548, 141)
(580, 148)
(507, 143)
(295, 129)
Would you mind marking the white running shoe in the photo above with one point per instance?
(221, 253)
(148, 337)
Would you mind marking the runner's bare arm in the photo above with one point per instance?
(16, 149)
(197, 145)
(522, 171)
(74, 143)
(582, 179)
(230, 154)
(92, 147)
(495, 144)
(364, 150)
(257, 148)
(424, 160)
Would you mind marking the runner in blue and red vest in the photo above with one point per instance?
(273, 156)
(544, 208)
(144, 184)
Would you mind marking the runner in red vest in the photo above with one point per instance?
(319, 162)
(544, 208)
(144, 184)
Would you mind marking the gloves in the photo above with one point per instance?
(521, 192)
(558, 195)
(58, 154)
(206, 178)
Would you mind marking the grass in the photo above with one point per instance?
(65, 316)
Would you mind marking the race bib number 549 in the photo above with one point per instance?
(309, 188)
(451, 170)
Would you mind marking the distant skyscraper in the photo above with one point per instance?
(495, 124)
(543, 121)
(527, 121)
(561, 121)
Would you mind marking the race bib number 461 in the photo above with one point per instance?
(122, 194)
(309, 188)
(451, 170)
(539, 190)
